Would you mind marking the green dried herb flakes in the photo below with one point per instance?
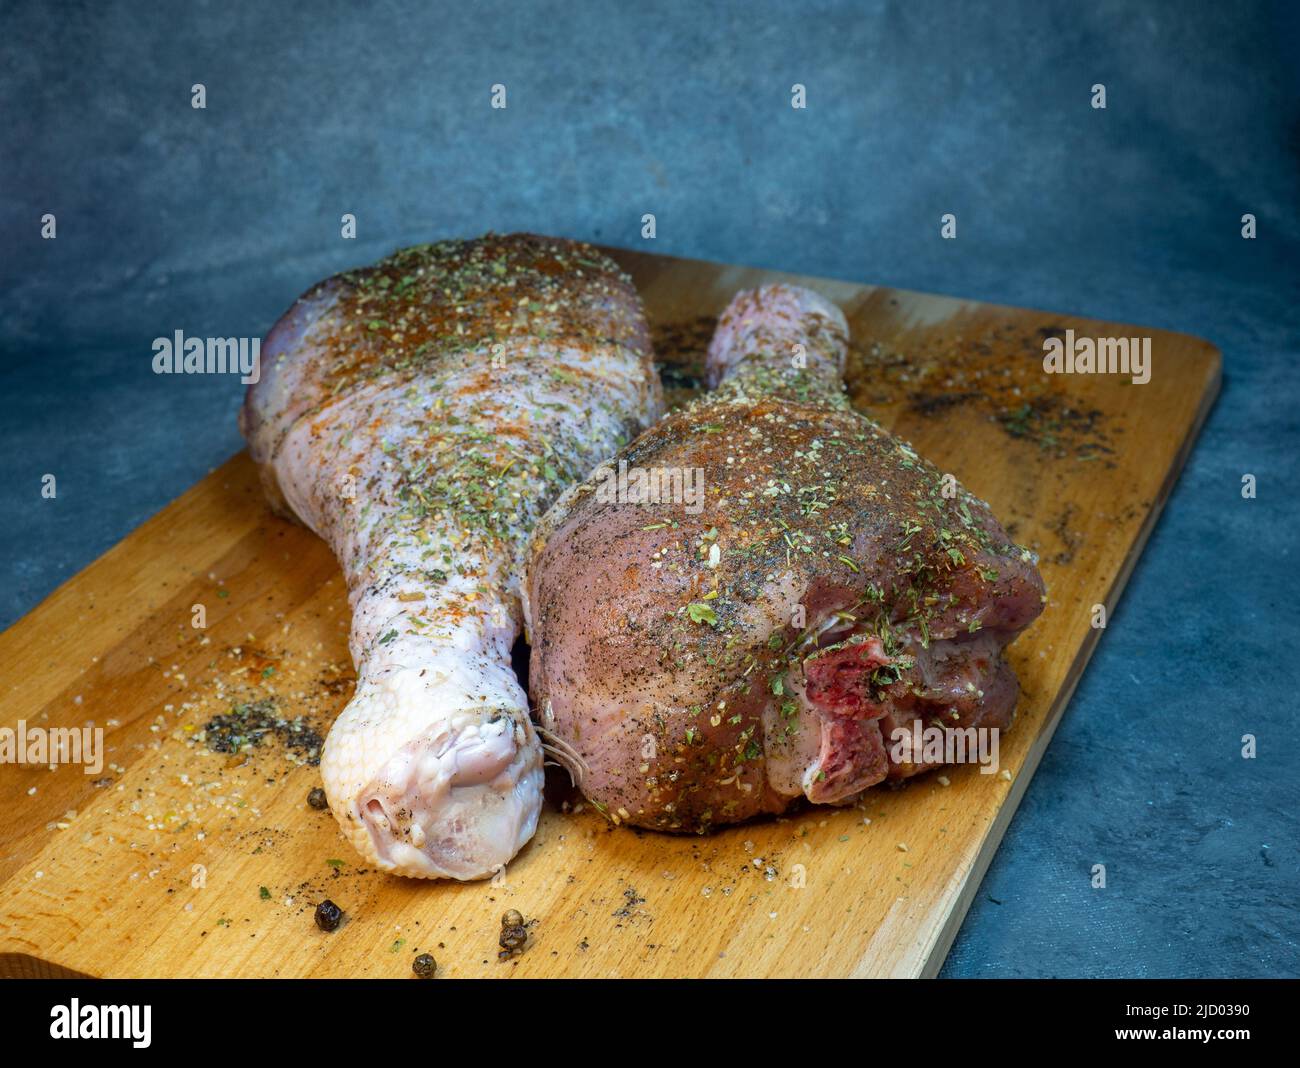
(702, 613)
(246, 725)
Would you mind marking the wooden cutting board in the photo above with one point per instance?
(178, 861)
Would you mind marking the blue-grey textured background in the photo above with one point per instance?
(213, 221)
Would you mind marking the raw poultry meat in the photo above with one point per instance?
(419, 415)
(698, 667)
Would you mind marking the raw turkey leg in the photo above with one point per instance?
(699, 662)
(420, 415)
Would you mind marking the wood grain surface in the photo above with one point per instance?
(175, 860)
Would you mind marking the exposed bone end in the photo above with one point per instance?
(456, 799)
(766, 325)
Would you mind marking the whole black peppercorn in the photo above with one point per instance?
(513, 937)
(328, 915)
(513, 918)
(316, 798)
(424, 965)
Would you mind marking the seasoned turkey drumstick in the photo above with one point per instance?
(699, 666)
(420, 415)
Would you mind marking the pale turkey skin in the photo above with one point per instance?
(707, 668)
(419, 415)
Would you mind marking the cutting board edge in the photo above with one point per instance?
(15, 964)
(992, 841)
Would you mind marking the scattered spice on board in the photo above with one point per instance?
(514, 934)
(245, 725)
(316, 799)
(328, 915)
(424, 966)
(631, 901)
(1071, 539)
(999, 372)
